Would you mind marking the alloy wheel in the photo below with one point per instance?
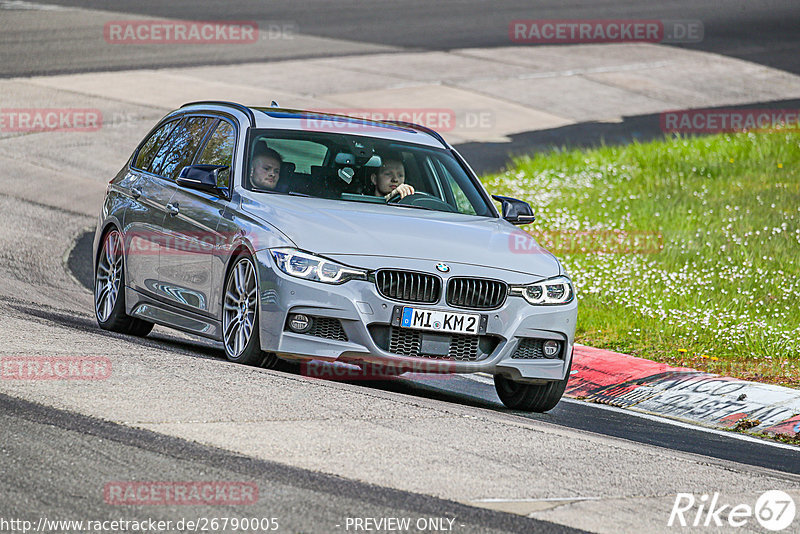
(239, 314)
(109, 276)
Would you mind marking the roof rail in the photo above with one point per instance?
(429, 131)
(244, 109)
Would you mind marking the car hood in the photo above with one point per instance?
(337, 228)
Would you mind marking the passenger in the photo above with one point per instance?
(390, 179)
(265, 169)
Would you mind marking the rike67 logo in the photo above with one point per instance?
(774, 510)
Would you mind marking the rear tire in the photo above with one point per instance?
(109, 290)
(530, 397)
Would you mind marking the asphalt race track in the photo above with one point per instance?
(763, 32)
(573, 414)
(319, 451)
(35, 431)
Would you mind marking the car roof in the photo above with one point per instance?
(294, 119)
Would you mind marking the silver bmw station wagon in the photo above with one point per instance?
(292, 236)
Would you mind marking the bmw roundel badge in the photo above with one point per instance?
(443, 267)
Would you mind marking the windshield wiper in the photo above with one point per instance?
(297, 194)
(387, 204)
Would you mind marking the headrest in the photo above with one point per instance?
(287, 169)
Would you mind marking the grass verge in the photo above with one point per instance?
(684, 251)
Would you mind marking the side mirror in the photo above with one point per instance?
(515, 211)
(201, 177)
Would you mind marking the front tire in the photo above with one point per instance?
(530, 397)
(109, 290)
(240, 326)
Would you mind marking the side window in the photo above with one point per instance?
(219, 151)
(462, 202)
(179, 150)
(149, 148)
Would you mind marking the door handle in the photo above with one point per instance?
(135, 193)
(173, 209)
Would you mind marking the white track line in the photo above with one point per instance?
(21, 5)
(549, 499)
(482, 378)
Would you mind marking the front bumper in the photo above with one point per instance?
(358, 305)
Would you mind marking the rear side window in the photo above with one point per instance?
(180, 148)
(149, 148)
(219, 151)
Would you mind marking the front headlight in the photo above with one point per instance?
(309, 267)
(556, 290)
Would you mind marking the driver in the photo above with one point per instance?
(390, 179)
(265, 170)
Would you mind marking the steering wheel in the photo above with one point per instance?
(423, 200)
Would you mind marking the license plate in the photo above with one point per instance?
(440, 321)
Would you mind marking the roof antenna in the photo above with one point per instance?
(274, 105)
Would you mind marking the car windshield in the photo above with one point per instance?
(354, 168)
